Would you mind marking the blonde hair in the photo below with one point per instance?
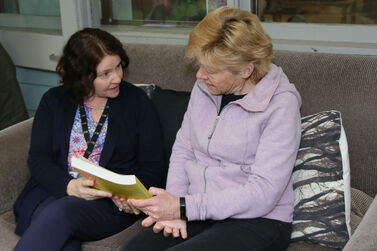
(230, 38)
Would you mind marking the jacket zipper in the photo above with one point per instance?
(210, 137)
(205, 180)
(211, 134)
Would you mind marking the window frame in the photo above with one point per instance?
(36, 49)
(14, 21)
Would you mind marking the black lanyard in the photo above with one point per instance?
(90, 142)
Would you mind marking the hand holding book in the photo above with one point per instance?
(83, 188)
(125, 186)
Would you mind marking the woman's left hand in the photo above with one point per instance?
(175, 228)
(162, 206)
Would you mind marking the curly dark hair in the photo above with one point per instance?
(81, 55)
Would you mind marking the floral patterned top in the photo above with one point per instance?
(77, 142)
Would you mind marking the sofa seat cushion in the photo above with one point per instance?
(360, 203)
(8, 239)
(298, 246)
(113, 242)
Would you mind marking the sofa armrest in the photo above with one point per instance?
(365, 236)
(14, 148)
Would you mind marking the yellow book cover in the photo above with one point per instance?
(127, 186)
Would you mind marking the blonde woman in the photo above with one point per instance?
(229, 183)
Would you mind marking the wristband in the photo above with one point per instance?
(182, 207)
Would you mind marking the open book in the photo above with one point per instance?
(127, 186)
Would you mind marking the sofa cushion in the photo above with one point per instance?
(304, 246)
(8, 239)
(321, 182)
(113, 242)
(171, 106)
(360, 203)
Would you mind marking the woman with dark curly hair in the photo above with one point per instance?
(97, 115)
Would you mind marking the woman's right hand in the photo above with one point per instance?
(83, 188)
(123, 205)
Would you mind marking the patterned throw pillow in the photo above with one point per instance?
(321, 182)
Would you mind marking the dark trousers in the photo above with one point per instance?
(61, 224)
(230, 234)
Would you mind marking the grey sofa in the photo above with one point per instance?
(326, 81)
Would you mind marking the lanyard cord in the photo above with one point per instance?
(90, 142)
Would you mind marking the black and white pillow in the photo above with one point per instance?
(321, 180)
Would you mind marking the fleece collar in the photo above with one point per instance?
(259, 97)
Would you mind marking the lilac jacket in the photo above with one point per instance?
(238, 164)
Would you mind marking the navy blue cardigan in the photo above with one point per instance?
(133, 145)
